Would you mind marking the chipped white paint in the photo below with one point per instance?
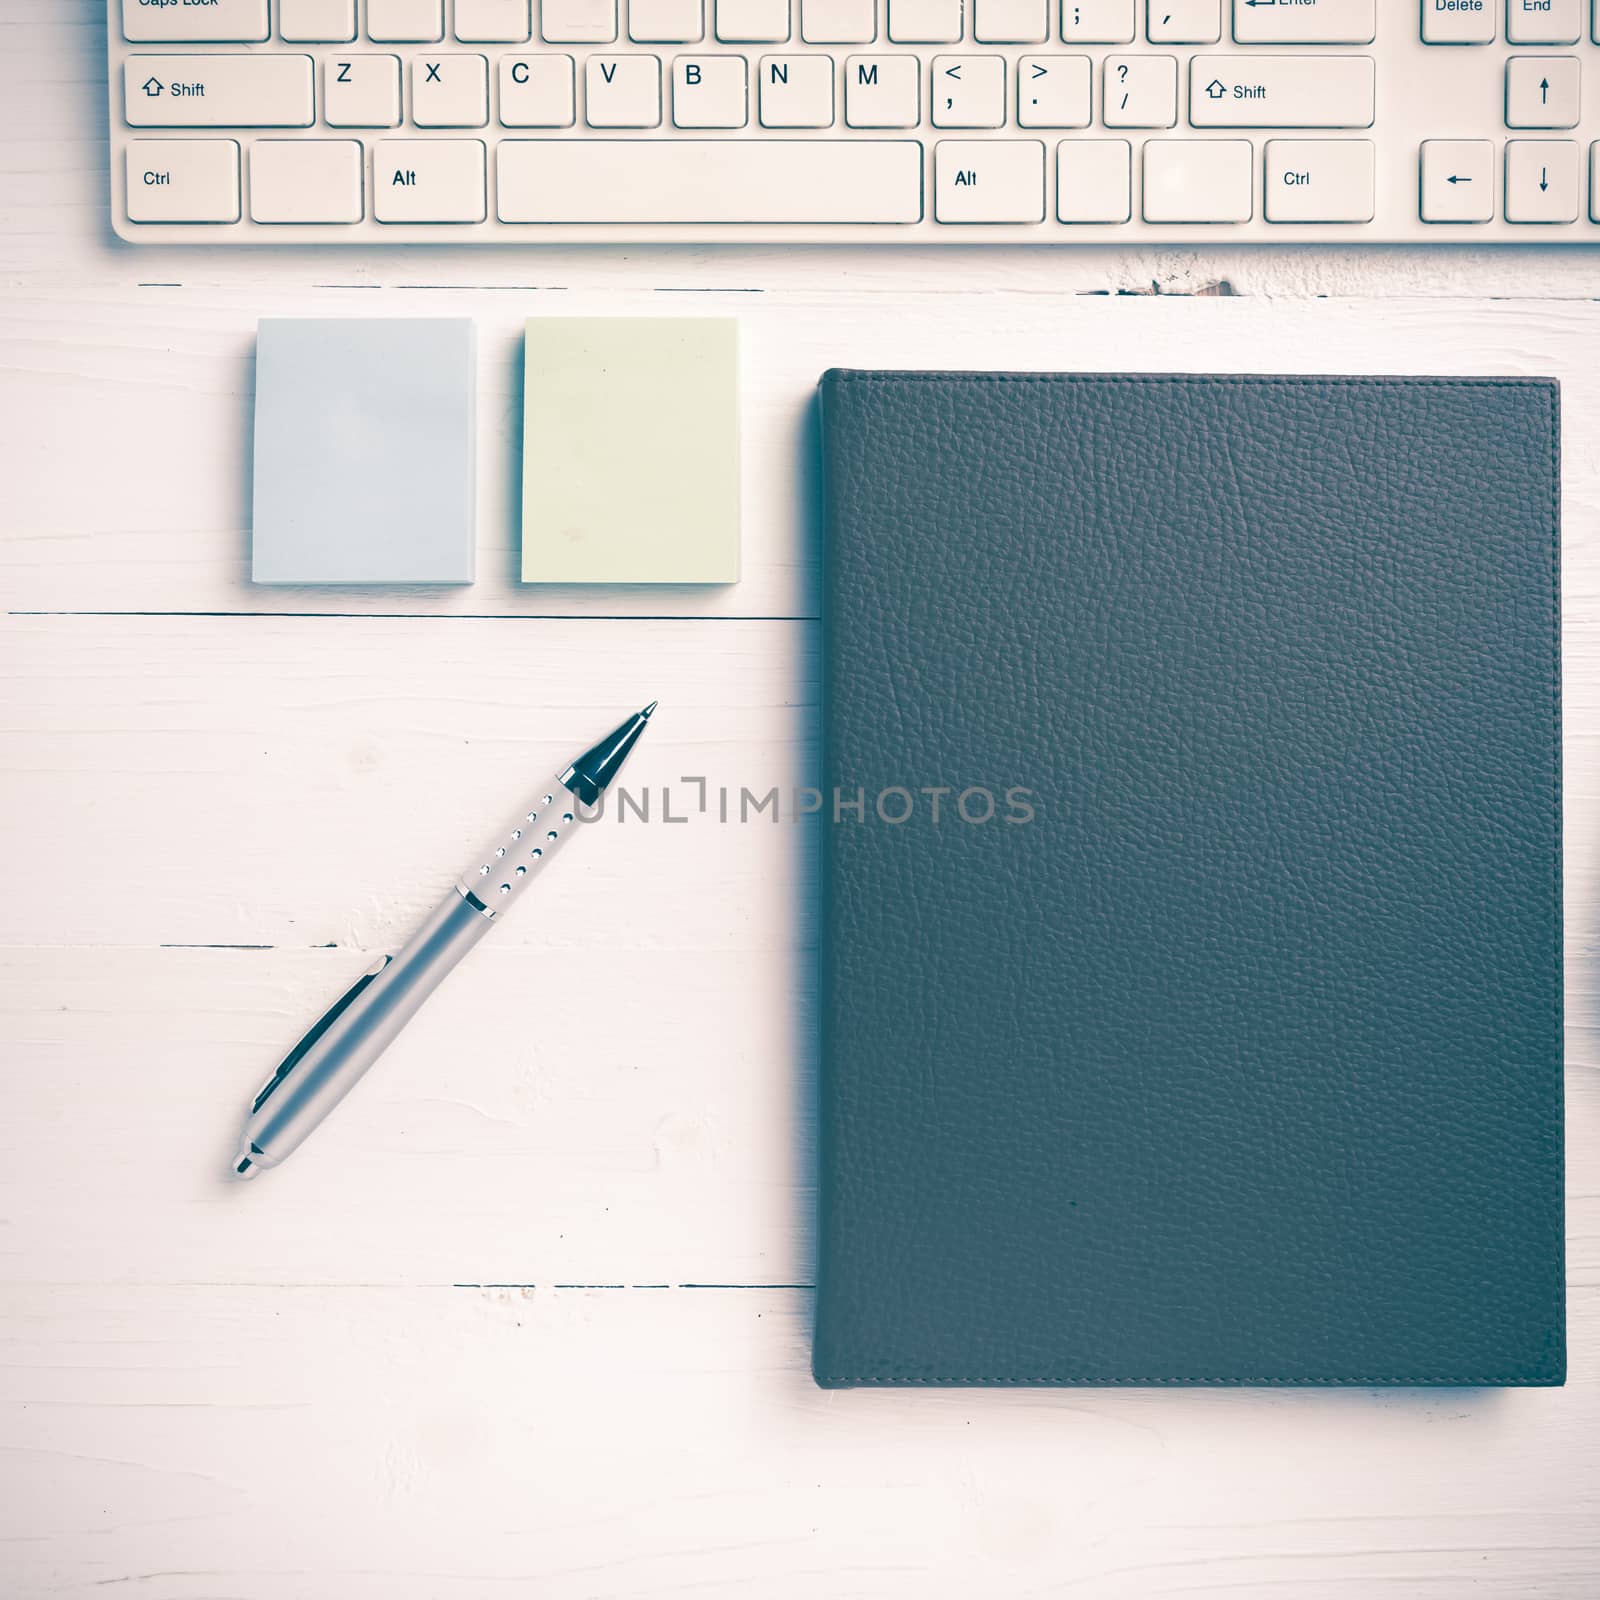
(300, 1387)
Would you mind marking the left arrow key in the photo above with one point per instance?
(220, 91)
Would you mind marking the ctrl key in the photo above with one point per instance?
(183, 180)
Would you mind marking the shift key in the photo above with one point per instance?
(1281, 91)
(219, 91)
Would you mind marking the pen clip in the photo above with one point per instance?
(316, 1031)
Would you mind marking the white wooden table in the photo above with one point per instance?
(530, 1316)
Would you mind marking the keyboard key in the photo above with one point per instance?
(361, 92)
(1140, 92)
(1594, 158)
(796, 91)
(183, 180)
(239, 91)
(1319, 180)
(1321, 22)
(306, 180)
(838, 21)
(665, 22)
(537, 92)
(1543, 21)
(317, 21)
(970, 92)
(493, 21)
(234, 21)
(882, 91)
(1053, 91)
(988, 180)
(710, 180)
(924, 21)
(429, 180)
(1459, 21)
(1198, 180)
(709, 92)
(1281, 91)
(1184, 21)
(449, 91)
(622, 92)
(1542, 180)
(405, 21)
(1094, 180)
(1457, 180)
(1542, 92)
(578, 21)
(1011, 21)
(1097, 21)
(752, 21)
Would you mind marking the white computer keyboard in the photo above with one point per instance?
(1048, 121)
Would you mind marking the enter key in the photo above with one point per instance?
(1281, 91)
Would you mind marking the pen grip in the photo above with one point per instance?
(524, 848)
(364, 1029)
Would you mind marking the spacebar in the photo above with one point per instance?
(710, 180)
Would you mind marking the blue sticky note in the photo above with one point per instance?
(364, 454)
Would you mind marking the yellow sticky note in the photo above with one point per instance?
(630, 470)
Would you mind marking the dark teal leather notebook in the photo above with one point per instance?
(1191, 938)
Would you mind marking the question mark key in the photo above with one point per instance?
(1141, 91)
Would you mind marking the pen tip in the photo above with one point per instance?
(648, 709)
(244, 1166)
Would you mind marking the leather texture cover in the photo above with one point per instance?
(1239, 1061)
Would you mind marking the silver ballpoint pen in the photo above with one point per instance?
(317, 1074)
